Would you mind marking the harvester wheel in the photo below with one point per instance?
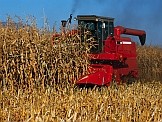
(131, 80)
(124, 79)
(128, 79)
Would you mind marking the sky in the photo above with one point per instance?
(139, 14)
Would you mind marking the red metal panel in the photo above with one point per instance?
(99, 75)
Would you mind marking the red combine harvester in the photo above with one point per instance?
(113, 58)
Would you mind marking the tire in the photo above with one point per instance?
(131, 80)
(128, 79)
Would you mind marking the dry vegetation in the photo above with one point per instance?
(150, 62)
(35, 76)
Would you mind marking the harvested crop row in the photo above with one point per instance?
(137, 102)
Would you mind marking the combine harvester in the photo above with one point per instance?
(113, 58)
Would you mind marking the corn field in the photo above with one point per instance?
(36, 75)
(149, 62)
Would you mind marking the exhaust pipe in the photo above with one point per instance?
(64, 22)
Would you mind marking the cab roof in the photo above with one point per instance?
(94, 17)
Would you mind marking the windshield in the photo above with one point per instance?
(100, 30)
(88, 25)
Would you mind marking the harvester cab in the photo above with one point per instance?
(113, 58)
(100, 28)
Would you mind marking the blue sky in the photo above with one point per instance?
(140, 14)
